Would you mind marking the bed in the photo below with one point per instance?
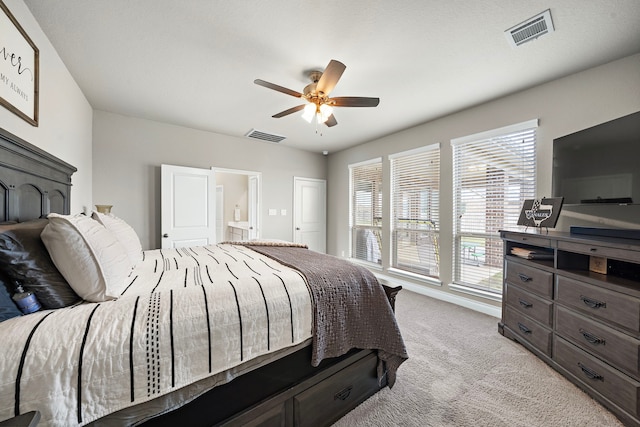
(249, 333)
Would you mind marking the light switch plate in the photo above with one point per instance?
(273, 212)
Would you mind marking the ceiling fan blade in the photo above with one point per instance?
(330, 76)
(278, 88)
(331, 121)
(289, 111)
(353, 101)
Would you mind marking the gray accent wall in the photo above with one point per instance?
(562, 106)
(128, 152)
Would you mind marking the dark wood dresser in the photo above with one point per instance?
(574, 301)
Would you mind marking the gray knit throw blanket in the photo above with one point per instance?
(351, 309)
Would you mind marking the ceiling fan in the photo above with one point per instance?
(316, 93)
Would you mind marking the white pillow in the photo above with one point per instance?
(125, 234)
(88, 255)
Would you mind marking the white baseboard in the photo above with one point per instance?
(460, 300)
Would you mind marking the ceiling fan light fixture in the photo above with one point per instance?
(325, 112)
(309, 112)
(316, 94)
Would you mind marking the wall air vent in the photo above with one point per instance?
(531, 29)
(264, 136)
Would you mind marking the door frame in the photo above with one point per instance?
(220, 232)
(253, 204)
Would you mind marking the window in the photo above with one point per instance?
(415, 189)
(366, 210)
(493, 173)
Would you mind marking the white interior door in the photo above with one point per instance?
(310, 213)
(187, 206)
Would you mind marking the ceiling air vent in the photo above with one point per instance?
(531, 29)
(264, 136)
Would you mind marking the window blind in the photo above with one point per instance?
(415, 188)
(366, 211)
(494, 173)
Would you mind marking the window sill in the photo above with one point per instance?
(475, 292)
(413, 276)
(437, 292)
(366, 264)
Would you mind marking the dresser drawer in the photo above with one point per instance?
(327, 401)
(616, 348)
(532, 279)
(613, 307)
(535, 307)
(602, 251)
(527, 239)
(613, 384)
(533, 332)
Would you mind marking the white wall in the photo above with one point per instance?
(65, 116)
(128, 152)
(563, 106)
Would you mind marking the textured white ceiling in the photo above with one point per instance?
(192, 62)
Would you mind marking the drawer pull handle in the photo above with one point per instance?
(524, 277)
(343, 394)
(523, 328)
(525, 304)
(591, 338)
(592, 302)
(590, 373)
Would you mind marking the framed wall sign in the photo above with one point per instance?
(19, 64)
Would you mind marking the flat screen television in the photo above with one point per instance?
(600, 164)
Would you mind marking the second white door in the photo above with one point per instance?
(310, 213)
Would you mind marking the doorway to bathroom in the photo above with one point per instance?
(237, 204)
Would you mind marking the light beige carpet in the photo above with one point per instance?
(462, 372)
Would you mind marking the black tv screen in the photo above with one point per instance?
(600, 164)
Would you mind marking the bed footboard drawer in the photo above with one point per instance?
(329, 400)
(265, 415)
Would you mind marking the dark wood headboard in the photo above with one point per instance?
(33, 183)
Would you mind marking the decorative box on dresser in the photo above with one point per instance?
(583, 323)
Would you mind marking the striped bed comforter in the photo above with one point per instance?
(184, 315)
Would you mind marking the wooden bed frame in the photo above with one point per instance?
(285, 392)
(33, 183)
